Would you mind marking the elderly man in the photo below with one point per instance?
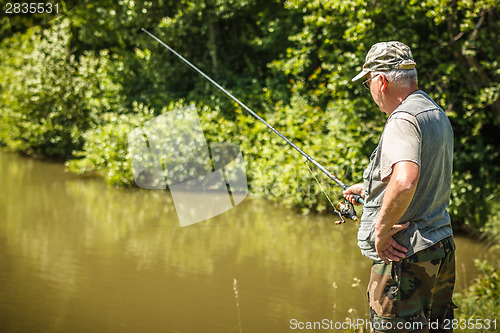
(405, 228)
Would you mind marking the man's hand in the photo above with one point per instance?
(387, 248)
(354, 189)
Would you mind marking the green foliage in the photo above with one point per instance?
(75, 87)
(482, 299)
(106, 147)
(48, 97)
(491, 229)
(42, 95)
(279, 172)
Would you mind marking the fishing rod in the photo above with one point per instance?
(346, 208)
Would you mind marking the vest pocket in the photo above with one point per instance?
(366, 231)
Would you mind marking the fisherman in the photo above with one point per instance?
(405, 228)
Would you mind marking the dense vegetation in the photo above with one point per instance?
(76, 86)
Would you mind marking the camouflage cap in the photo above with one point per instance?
(386, 56)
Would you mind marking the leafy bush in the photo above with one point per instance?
(42, 97)
(481, 300)
(105, 150)
(49, 97)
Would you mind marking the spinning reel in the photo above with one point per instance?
(345, 209)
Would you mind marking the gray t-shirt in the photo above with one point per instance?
(418, 131)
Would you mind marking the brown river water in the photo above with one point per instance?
(77, 255)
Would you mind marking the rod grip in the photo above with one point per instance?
(359, 199)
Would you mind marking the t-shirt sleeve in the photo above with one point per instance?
(401, 141)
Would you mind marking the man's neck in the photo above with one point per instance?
(399, 95)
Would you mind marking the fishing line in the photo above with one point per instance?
(345, 209)
(321, 186)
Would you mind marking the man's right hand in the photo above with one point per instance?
(354, 189)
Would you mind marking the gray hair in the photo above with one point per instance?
(400, 77)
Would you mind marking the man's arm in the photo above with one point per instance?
(398, 195)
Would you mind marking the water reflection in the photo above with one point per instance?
(78, 256)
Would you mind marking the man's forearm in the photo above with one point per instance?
(398, 195)
(397, 198)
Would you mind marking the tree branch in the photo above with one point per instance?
(472, 62)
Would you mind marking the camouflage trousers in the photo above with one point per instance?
(414, 294)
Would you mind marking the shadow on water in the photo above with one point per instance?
(79, 256)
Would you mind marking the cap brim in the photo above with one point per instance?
(360, 75)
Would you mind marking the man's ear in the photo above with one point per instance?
(384, 83)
